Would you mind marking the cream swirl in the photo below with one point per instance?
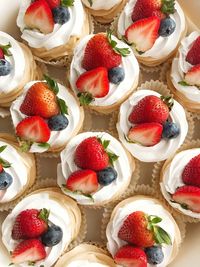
(58, 216)
(85, 263)
(121, 165)
(61, 33)
(165, 148)
(20, 178)
(11, 81)
(99, 4)
(172, 178)
(116, 92)
(150, 207)
(180, 66)
(57, 138)
(163, 45)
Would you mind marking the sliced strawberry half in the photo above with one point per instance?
(33, 129)
(188, 197)
(31, 250)
(39, 16)
(143, 33)
(146, 134)
(193, 55)
(84, 181)
(193, 76)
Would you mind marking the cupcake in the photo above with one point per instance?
(141, 230)
(104, 12)
(17, 171)
(184, 77)
(151, 126)
(86, 255)
(17, 67)
(103, 72)
(46, 116)
(152, 28)
(180, 182)
(41, 227)
(95, 169)
(52, 28)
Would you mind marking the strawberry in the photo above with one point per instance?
(1, 54)
(146, 134)
(141, 230)
(90, 154)
(192, 77)
(39, 16)
(188, 197)
(1, 168)
(33, 129)
(151, 109)
(84, 181)
(143, 33)
(191, 172)
(94, 82)
(27, 251)
(102, 51)
(30, 223)
(53, 3)
(159, 14)
(129, 256)
(193, 55)
(4, 51)
(40, 100)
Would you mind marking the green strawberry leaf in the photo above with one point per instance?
(44, 145)
(121, 51)
(62, 105)
(112, 157)
(168, 6)
(183, 83)
(168, 100)
(53, 85)
(161, 236)
(106, 143)
(67, 3)
(24, 145)
(85, 98)
(154, 219)
(90, 2)
(5, 163)
(5, 49)
(184, 206)
(2, 148)
(77, 192)
(44, 215)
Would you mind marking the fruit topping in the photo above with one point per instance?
(58, 122)
(116, 75)
(39, 16)
(5, 67)
(170, 130)
(52, 236)
(146, 134)
(107, 176)
(53, 3)
(61, 15)
(192, 77)
(4, 51)
(30, 223)
(129, 256)
(3, 163)
(154, 255)
(142, 230)
(191, 172)
(1, 168)
(188, 197)
(167, 27)
(193, 55)
(5, 180)
(143, 33)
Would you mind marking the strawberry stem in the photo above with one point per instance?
(4, 163)
(44, 215)
(85, 98)
(112, 157)
(168, 100)
(121, 51)
(168, 6)
(6, 48)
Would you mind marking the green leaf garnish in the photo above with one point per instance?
(121, 51)
(2, 148)
(183, 83)
(168, 6)
(24, 145)
(168, 100)
(154, 219)
(44, 215)
(53, 85)
(62, 105)
(90, 2)
(4, 163)
(77, 192)
(44, 145)
(112, 157)
(67, 3)
(5, 49)
(85, 98)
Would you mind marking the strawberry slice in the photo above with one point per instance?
(188, 197)
(191, 172)
(1, 168)
(129, 256)
(143, 33)
(1, 54)
(193, 76)
(193, 55)
(84, 181)
(146, 134)
(31, 250)
(39, 16)
(33, 129)
(53, 3)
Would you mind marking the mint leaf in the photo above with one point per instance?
(5, 49)
(121, 51)
(52, 84)
(62, 105)
(44, 145)
(183, 83)
(2, 148)
(85, 98)
(67, 3)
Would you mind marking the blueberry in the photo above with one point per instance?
(61, 15)
(167, 27)
(58, 122)
(5, 67)
(116, 75)
(154, 255)
(170, 130)
(5, 180)
(106, 176)
(52, 236)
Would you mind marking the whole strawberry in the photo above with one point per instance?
(191, 172)
(30, 223)
(142, 230)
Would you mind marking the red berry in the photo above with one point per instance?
(191, 172)
(193, 55)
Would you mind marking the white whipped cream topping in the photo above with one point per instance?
(99, 4)
(68, 166)
(180, 67)
(165, 148)
(163, 45)
(129, 63)
(58, 216)
(85, 263)
(57, 138)
(149, 207)
(18, 171)
(172, 178)
(61, 33)
(17, 60)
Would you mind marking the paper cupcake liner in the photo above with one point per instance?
(165, 68)
(156, 179)
(4, 112)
